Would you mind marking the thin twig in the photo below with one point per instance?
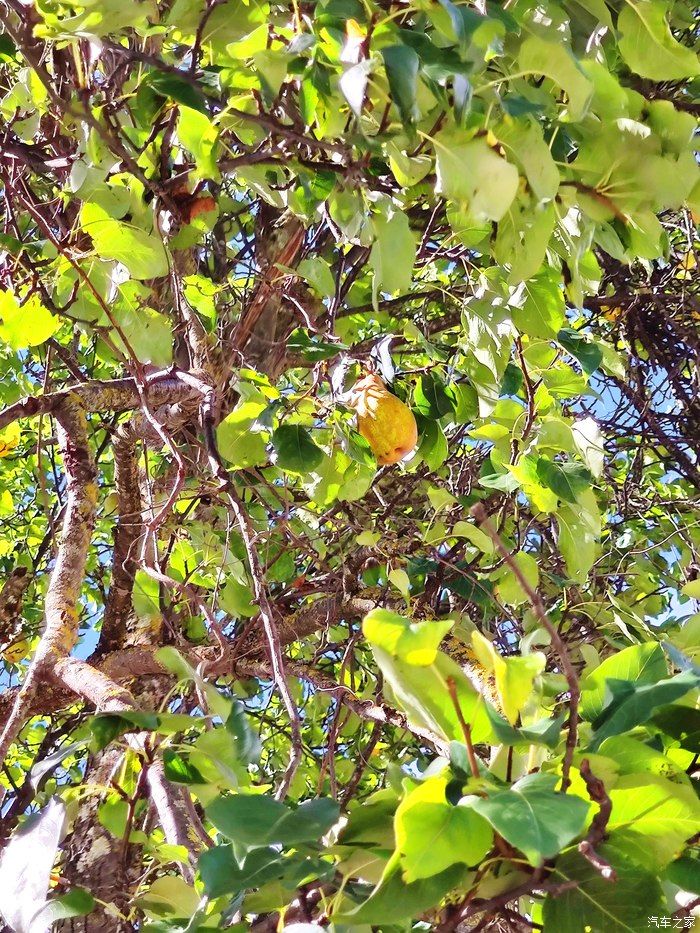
(466, 728)
(538, 607)
(267, 615)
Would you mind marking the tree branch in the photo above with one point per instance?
(538, 607)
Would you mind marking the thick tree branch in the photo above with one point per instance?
(60, 610)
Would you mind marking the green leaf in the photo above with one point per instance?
(107, 726)
(533, 817)
(180, 770)
(514, 675)
(553, 59)
(167, 84)
(236, 598)
(523, 141)
(512, 380)
(312, 349)
(595, 905)
(241, 447)
(432, 834)
(148, 333)
(295, 450)
(633, 706)
(509, 588)
(222, 873)
(414, 642)
(238, 442)
(76, 903)
(26, 325)
(544, 732)
(254, 821)
(431, 398)
(475, 535)
(685, 873)
(423, 692)
(7, 46)
(579, 534)
(318, 274)
(647, 45)
(641, 664)
(433, 444)
(140, 251)
(146, 596)
(113, 814)
(652, 817)
(681, 723)
(523, 238)
(408, 170)
(246, 744)
(170, 895)
(567, 480)
(692, 589)
(538, 305)
(473, 174)
(589, 354)
(401, 63)
(393, 901)
(198, 134)
(514, 681)
(393, 254)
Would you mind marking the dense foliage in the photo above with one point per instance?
(251, 678)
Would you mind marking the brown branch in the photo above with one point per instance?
(128, 528)
(469, 908)
(61, 629)
(163, 387)
(132, 664)
(286, 257)
(596, 833)
(174, 814)
(11, 597)
(308, 620)
(538, 607)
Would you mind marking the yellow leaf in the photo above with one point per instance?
(16, 651)
(685, 265)
(354, 30)
(9, 439)
(612, 313)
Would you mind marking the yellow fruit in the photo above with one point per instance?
(383, 420)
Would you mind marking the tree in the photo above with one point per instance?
(254, 679)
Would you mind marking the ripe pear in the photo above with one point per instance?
(383, 420)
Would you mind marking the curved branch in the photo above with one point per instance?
(60, 611)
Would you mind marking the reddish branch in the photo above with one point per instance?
(596, 833)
